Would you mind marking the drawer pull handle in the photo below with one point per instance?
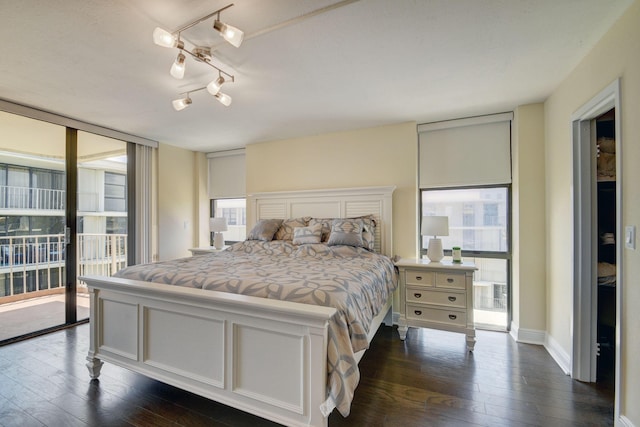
(449, 280)
(418, 277)
(452, 299)
(417, 295)
(418, 312)
(453, 317)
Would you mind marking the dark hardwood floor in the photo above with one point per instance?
(428, 380)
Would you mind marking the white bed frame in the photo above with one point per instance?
(261, 356)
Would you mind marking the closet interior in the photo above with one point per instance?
(607, 238)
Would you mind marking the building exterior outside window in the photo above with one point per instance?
(479, 224)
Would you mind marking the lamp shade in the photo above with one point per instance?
(217, 224)
(435, 226)
(229, 33)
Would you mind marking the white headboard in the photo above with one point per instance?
(332, 203)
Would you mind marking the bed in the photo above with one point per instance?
(282, 360)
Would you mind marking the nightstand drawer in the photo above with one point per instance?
(450, 317)
(419, 277)
(447, 299)
(450, 280)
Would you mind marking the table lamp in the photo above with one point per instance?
(435, 226)
(217, 225)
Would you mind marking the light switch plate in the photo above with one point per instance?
(630, 237)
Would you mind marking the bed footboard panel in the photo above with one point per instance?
(261, 356)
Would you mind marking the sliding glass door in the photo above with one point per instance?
(32, 225)
(63, 214)
(101, 210)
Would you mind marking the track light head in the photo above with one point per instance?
(182, 103)
(165, 39)
(223, 98)
(177, 68)
(229, 33)
(215, 85)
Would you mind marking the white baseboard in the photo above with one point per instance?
(624, 422)
(527, 336)
(561, 357)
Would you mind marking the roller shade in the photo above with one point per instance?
(473, 151)
(227, 174)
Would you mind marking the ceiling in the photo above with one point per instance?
(355, 65)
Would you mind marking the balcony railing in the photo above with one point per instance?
(12, 197)
(36, 263)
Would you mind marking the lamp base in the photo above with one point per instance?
(434, 250)
(218, 240)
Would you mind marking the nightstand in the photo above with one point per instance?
(206, 250)
(436, 295)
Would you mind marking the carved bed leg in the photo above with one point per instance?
(94, 365)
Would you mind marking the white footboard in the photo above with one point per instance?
(262, 356)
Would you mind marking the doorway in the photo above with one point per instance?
(597, 195)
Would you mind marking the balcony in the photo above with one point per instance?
(25, 198)
(32, 276)
(35, 263)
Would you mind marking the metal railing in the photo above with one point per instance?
(12, 197)
(36, 262)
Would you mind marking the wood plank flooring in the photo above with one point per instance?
(428, 380)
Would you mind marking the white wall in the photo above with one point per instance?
(616, 56)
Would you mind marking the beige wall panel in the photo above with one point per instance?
(368, 157)
(529, 303)
(176, 201)
(616, 55)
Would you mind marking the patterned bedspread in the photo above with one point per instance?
(353, 280)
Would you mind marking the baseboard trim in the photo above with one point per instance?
(527, 336)
(559, 355)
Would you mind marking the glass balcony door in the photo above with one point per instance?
(101, 211)
(32, 225)
(63, 214)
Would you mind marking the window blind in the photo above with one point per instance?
(464, 152)
(144, 209)
(227, 174)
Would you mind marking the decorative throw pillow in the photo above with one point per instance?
(307, 235)
(346, 232)
(264, 230)
(285, 232)
(369, 232)
(326, 226)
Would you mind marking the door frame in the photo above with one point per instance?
(584, 324)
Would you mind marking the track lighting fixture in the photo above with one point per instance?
(202, 54)
(181, 103)
(177, 69)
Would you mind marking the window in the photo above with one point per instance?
(115, 192)
(478, 222)
(235, 211)
(461, 206)
(490, 214)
